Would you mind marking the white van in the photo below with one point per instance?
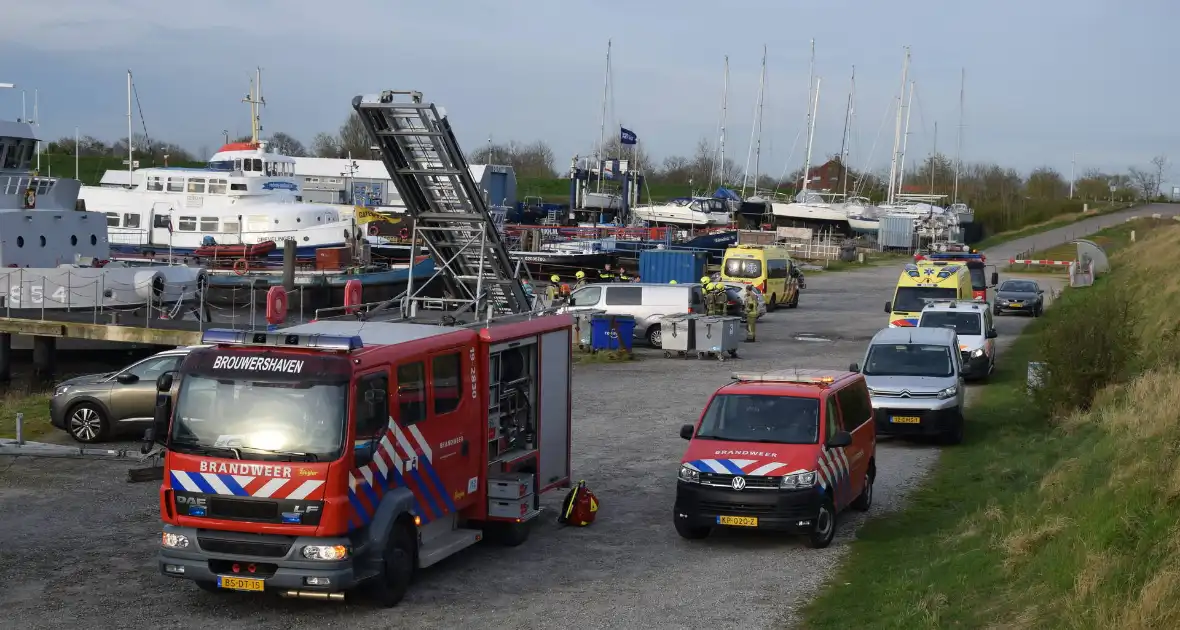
(972, 321)
(646, 302)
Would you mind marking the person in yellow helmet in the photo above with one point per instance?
(705, 280)
(551, 293)
(581, 276)
(673, 281)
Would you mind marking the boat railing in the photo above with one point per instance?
(591, 233)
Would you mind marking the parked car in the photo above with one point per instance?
(97, 407)
(1019, 296)
(647, 303)
(736, 293)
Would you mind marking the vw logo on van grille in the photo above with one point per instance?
(738, 483)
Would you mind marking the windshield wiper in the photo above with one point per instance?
(193, 446)
(308, 457)
(718, 437)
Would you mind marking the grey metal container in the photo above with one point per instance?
(678, 333)
(896, 231)
(582, 327)
(718, 335)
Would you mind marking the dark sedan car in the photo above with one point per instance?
(96, 407)
(1019, 296)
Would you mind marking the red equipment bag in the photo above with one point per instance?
(579, 507)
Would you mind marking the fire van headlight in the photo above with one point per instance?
(797, 481)
(325, 552)
(976, 353)
(174, 541)
(948, 392)
(691, 475)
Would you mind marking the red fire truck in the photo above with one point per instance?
(340, 454)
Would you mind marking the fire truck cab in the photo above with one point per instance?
(339, 454)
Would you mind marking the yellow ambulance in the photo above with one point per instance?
(922, 281)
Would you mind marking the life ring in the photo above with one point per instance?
(352, 295)
(30, 199)
(373, 230)
(404, 233)
(276, 305)
(241, 266)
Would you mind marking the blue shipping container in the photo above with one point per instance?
(603, 335)
(662, 266)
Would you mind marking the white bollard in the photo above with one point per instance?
(1132, 236)
(20, 433)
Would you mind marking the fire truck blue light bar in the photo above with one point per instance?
(225, 336)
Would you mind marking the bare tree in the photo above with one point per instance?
(1160, 162)
(287, 145)
(354, 139)
(1143, 182)
(1046, 183)
(325, 145)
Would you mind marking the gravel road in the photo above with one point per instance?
(79, 543)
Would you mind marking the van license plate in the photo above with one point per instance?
(738, 521)
(906, 420)
(1014, 305)
(239, 584)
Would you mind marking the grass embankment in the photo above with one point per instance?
(1111, 240)
(1067, 518)
(35, 406)
(1056, 221)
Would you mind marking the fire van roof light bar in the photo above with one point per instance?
(332, 343)
(781, 377)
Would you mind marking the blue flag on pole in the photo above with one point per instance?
(626, 136)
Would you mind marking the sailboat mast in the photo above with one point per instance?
(905, 140)
(847, 124)
(130, 147)
(811, 136)
(959, 141)
(905, 75)
(602, 123)
(721, 141)
(811, 89)
(756, 130)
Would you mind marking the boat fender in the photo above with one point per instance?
(241, 266)
(276, 305)
(373, 230)
(404, 233)
(352, 295)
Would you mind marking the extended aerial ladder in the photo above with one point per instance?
(450, 214)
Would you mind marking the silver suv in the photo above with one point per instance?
(915, 379)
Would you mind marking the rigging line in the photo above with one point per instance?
(787, 164)
(147, 138)
(869, 160)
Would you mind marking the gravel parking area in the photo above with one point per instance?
(79, 542)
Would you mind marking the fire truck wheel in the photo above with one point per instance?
(825, 526)
(397, 569)
(511, 534)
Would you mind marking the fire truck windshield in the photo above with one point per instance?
(259, 419)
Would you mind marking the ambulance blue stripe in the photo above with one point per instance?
(233, 485)
(201, 483)
(426, 494)
(731, 467)
(442, 489)
(359, 507)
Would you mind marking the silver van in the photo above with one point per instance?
(646, 302)
(915, 379)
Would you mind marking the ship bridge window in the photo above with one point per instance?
(12, 157)
(187, 224)
(196, 185)
(155, 183)
(256, 165)
(247, 165)
(241, 187)
(175, 184)
(112, 219)
(209, 224)
(217, 186)
(130, 220)
(231, 227)
(237, 165)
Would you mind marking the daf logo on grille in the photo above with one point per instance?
(738, 483)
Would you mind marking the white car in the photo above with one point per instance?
(972, 321)
(741, 287)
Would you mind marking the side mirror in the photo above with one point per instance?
(686, 431)
(127, 378)
(852, 367)
(840, 440)
(362, 455)
(164, 383)
(1040, 291)
(889, 307)
(995, 278)
(158, 432)
(991, 333)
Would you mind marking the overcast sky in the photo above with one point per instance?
(1047, 81)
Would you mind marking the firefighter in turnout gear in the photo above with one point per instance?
(717, 299)
(554, 287)
(751, 312)
(581, 276)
